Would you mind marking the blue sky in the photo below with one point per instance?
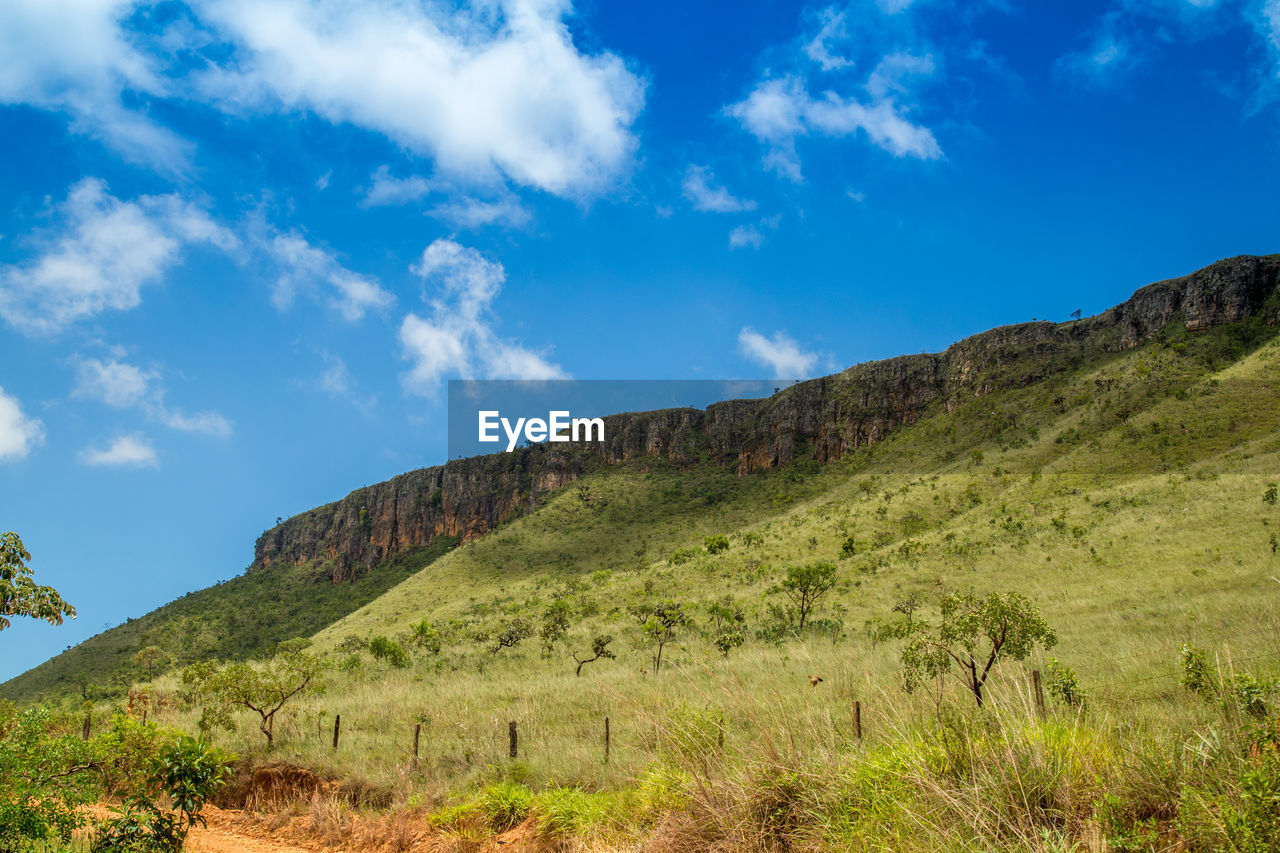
(245, 243)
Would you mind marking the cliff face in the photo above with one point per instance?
(823, 418)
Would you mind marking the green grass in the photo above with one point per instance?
(1123, 495)
(1131, 540)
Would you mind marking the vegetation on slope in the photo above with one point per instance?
(237, 619)
(1131, 500)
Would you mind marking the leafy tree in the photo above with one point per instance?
(385, 649)
(44, 777)
(599, 649)
(263, 688)
(152, 658)
(805, 585)
(725, 613)
(1272, 494)
(728, 640)
(973, 634)
(512, 633)
(19, 593)
(660, 627)
(555, 623)
(426, 636)
(716, 544)
(186, 773)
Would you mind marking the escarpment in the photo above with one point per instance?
(822, 419)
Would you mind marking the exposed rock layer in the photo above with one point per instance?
(823, 418)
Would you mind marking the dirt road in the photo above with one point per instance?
(226, 834)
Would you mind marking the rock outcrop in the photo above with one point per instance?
(822, 418)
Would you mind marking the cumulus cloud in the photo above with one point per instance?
(493, 91)
(780, 353)
(19, 433)
(126, 386)
(745, 235)
(108, 250)
(702, 190)
(306, 269)
(779, 110)
(75, 57)
(125, 451)
(467, 212)
(384, 189)
(457, 336)
(116, 383)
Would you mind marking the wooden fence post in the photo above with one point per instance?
(1039, 688)
(511, 732)
(88, 717)
(337, 724)
(720, 735)
(857, 719)
(417, 732)
(606, 740)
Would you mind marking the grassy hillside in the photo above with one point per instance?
(239, 618)
(1124, 498)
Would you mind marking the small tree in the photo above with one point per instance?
(804, 585)
(727, 641)
(716, 544)
(664, 619)
(426, 636)
(263, 688)
(599, 649)
(386, 649)
(555, 623)
(973, 634)
(19, 594)
(512, 634)
(152, 658)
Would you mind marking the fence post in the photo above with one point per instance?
(417, 731)
(88, 717)
(720, 734)
(511, 731)
(606, 740)
(857, 719)
(337, 724)
(1039, 688)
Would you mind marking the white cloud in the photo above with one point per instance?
(108, 251)
(457, 337)
(745, 235)
(701, 189)
(125, 451)
(781, 109)
(209, 423)
(125, 386)
(19, 434)
(819, 48)
(753, 235)
(780, 354)
(491, 91)
(74, 57)
(116, 383)
(468, 212)
(307, 269)
(386, 190)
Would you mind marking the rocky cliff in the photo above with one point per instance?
(823, 418)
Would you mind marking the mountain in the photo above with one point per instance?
(342, 567)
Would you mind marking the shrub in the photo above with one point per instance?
(385, 649)
(1063, 685)
(505, 804)
(716, 544)
(1197, 673)
(43, 777)
(186, 773)
(727, 641)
